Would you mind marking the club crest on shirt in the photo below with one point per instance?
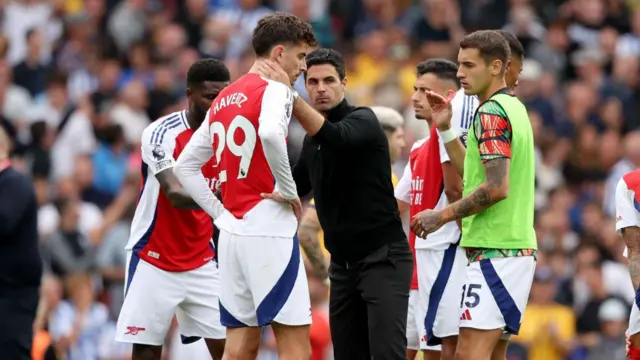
(463, 138)
(158, 153)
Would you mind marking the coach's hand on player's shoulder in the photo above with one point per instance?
(441, 111)
(296, 204)
(426, 222)
(273, 71)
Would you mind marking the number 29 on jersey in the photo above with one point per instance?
(237, 141)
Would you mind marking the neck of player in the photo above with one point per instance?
(496, 85)
(192, 119)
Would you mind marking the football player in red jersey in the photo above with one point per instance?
(171, 267)
(263, 280)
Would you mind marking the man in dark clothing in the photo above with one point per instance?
(20, 264)
(345, 161)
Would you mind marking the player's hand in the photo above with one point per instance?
(627, 341)
(426, 222)
(272, 70)
(440, 109)
(295, 203)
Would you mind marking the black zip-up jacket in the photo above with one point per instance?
(20, 263)
(348, 167)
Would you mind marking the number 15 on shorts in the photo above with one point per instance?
(470, 295)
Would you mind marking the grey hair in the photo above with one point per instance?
(389, 119)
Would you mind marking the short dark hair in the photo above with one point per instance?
(281, 28)
(443, 69)
(490, 44)
(207, 70)
(514, 44)
(327, 56)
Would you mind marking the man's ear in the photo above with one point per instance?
(276, 53)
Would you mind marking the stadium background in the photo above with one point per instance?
(80, 79)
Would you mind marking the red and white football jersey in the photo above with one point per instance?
(246, 133)
(169, 238)
(628, 201)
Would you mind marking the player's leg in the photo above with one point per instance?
(151, 299)
(500, 350)
(348, 315)
(278, 283)
(237, 310)
(443, 274)
(413, 335)
(385, 281)
(634, 331)
(199, 314)
(496, 292)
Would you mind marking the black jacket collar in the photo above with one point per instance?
(340, 111)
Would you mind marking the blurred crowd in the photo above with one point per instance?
(80, 80)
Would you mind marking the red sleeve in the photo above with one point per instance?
(494, 136)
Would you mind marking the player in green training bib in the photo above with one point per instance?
(498, 200)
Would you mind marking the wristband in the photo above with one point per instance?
(448, 136)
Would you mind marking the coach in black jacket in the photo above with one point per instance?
(345, 161)
(20, 264)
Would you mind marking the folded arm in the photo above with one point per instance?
(188, 170)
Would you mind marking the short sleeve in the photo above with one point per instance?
(627, 214)
(492, 129)
(403, 189)
(157, 149)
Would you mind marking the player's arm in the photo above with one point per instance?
(628, 225)
(357, 128)
(157, 153)
(455, 150)
(272, 130)
(493, 130)
(402, 191)
(308, 236)
(451, 177)
(301, 175)
(188, 170)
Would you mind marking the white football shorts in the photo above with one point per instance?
(416, 336)
(263, 280)
(153, 296)
(441, 276)
(496, 292)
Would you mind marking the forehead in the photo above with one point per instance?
(469, 55)
(432, 82)
(212, 86)
(298, 48)
(321, 71)
(516, 61)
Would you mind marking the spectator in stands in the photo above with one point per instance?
(68, 250)
(548, 328)
(79, 324)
